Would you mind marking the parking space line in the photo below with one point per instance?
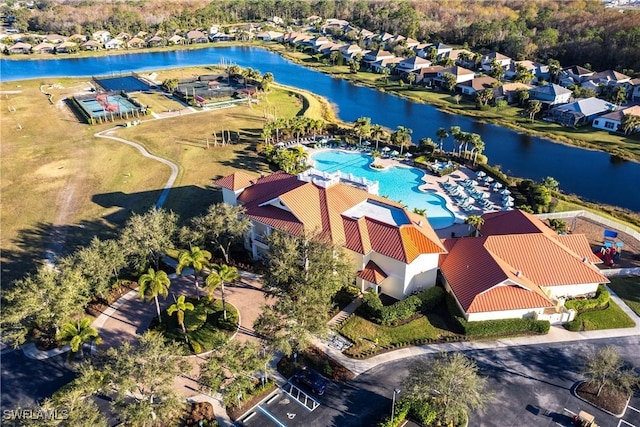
(627, 423)
(632, 408)
(273, 418)
(307, 399)
(571, 412)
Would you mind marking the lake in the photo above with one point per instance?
(593, 175)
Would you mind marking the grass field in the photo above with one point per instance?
(61, 185)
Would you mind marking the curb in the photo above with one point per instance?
(574, 391)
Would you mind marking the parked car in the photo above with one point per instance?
(312, 379)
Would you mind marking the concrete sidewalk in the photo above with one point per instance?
(556, 334)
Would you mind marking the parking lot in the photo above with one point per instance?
(287, 406)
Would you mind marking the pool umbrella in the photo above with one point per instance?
(507, 204)
(484, 195)
(480, 174)
(489, 179)
(385, 149)
(474, 183)
(407, 155)
(507, 199)
(366, 143)
(497, 185)
(394, 153)
(505, 192)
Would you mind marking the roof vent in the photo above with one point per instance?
(518, 273)
(585, 259)
(419, 223)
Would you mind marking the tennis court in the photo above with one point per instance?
(122, 83)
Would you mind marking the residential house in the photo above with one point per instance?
(478, 84)
(539, 71)
(458, 55)
(123, 36)
(267, 36)
(19, 47)
(101, 36)
(440, 49)
(414, 63)
(411, 43)
(582, 111)
(317, 42)
(114, 44)
(78, 38)
(426, 76)
(518, 268)
(328, 48)
(350, 51)
(156, 41)
(574, 75)
(635, 90)
(66, 47)
(461, 74)
(54, 38)
(390, 63)
(90, 45)
(44, 47)
(220, 37)
(393, 250)
(612, 122)
(376, 55)
(175, 39)
(607, 78)
(275, 20)
(136, 43)
(550, 94)
(196, 36)
(509, 92)
(486, 63)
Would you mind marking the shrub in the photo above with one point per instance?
(600, 302)
(423, 412)
(431, 298)
(371, 306)
(400, 414)
(487, 328)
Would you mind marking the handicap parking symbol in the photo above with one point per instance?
(290, 415)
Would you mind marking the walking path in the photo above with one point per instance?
(174, 168)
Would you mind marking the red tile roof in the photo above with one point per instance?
(512, 222)
(283, 202)
(235, 181)
(372, 273)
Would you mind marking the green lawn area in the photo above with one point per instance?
(611, 318)
(364, 334)
(627, 288)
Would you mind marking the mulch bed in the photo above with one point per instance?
(318, 360)
(98, 305)
(237, 411)
(630, 256)
(609, 400)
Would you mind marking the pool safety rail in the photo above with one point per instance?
(327, 179)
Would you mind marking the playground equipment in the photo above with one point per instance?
(610, 253)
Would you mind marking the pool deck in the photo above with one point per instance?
(434, 184)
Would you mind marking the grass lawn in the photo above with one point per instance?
(364, 333)
(611, 318)
(627, 288)
(61, 186)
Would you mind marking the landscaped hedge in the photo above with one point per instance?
(373, 310)
(400, 415)
(600, 302)
(489, 328)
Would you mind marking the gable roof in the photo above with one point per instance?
(479, 83)
(587, 106)
(550, 89)
(372, 273)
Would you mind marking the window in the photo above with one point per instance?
(608, 125)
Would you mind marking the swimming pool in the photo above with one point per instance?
(397, 183)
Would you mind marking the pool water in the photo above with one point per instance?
(397, 183)
(113, 103)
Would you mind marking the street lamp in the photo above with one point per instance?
(393, 402)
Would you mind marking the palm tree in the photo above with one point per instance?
(362, 127)
(554, 69)
(152, 284)
(455, 132)
(411, 78)
(180, 307)
(478, 146)
(474, 221)
(195, 258)
(377, 131)
(227, 275)
(385, 72)
(630, 123)
(212, 282)
(441, 134)
(402, 136)
(267, 80)
(76, 334)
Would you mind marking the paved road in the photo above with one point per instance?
(25, 381)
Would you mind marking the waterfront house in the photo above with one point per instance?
(389, 63)
(19, 47)
(393, 250)
(44, 47)
(54, 38)
(376, 55)
(175, 39)
(66, 47)
(114, 44)
(408, 65)
(156, 41)
(90, 45)
(582, 111)
(427, 76)
(478, 84)
(136, 43)
(196, 36)
(518, 268)
(267, 36)
(461, 74)
(509, 92)
(612, 122)
(550, 94)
